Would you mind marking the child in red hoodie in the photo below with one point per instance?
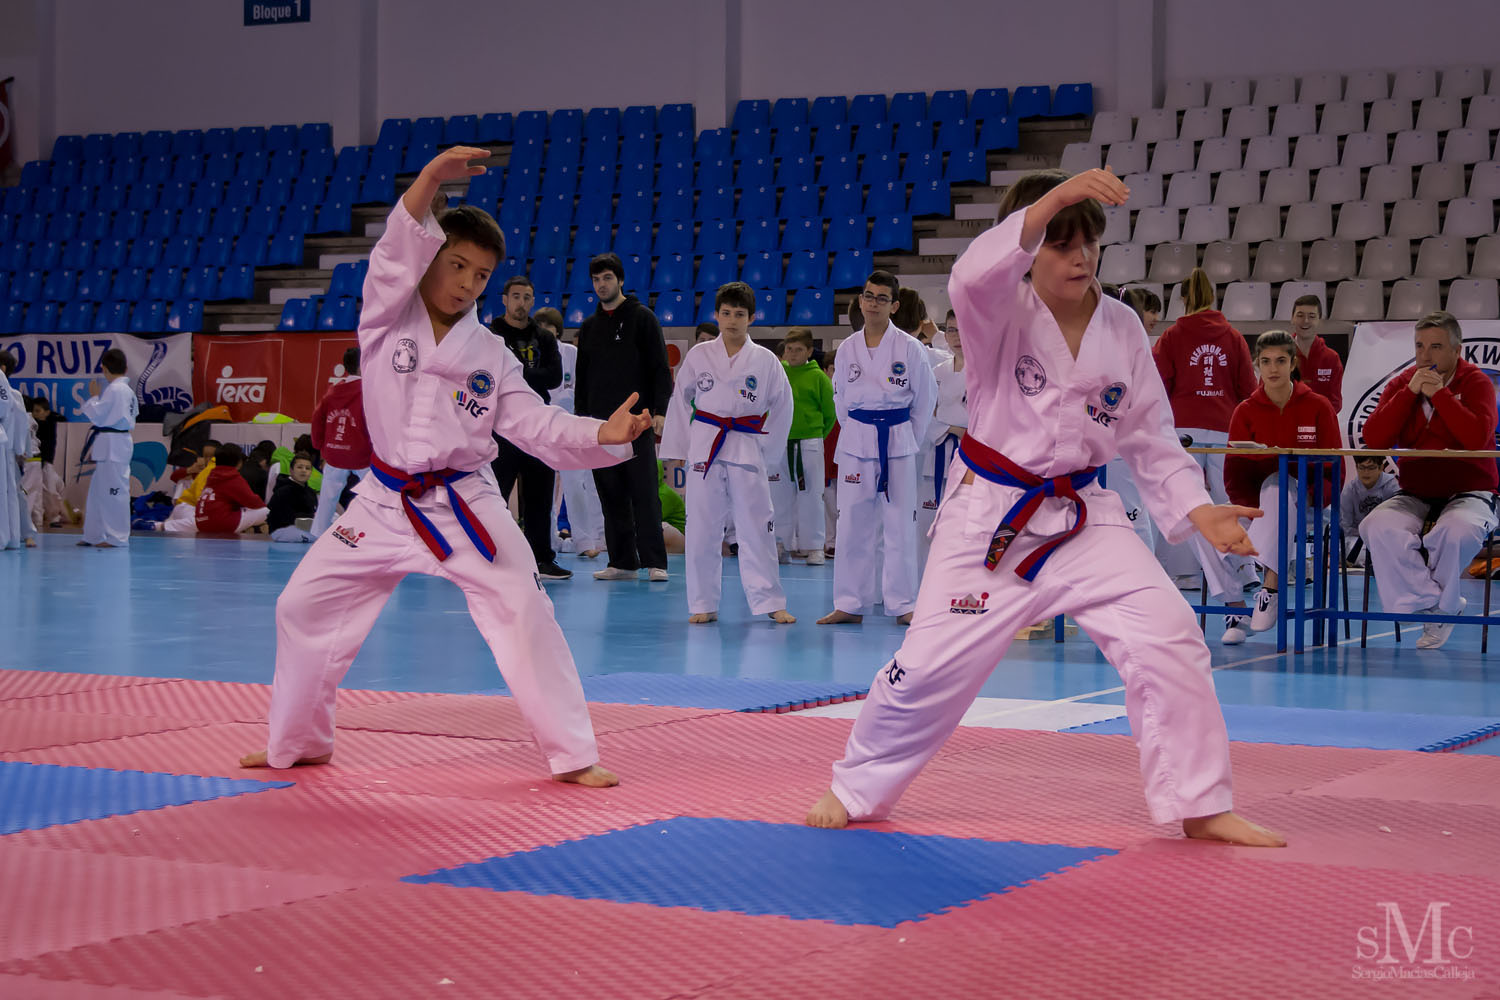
(1280, 414)
(227, 504)
(342, 438)
(1205, 365)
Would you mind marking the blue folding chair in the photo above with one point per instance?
(750, 114)
(909, 106)
(991, 102)
(807, 269)
(716, 270)
(803, 234)
(1031, 102)
(788, 112)
(848, 232)
(867, 109)
(886, 199)
(948, 105)
(761, 269)
(891, 233)
(794, 170)
(828, 111)
(770, 307)
(800, 201)
(851, 267)
(833, 140)
(931, 197)
(811, 307)
(1073, 100)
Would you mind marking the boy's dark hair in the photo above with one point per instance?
(1361, 459)
(262, 452)
(1086, 216)
(230, 456)
(607, 262)
(513, 281)
(886, 279)
(709, 328)
(301, 456)
(550, 316)
(41, 401)
(303, 443)
(7, 362)
(351, 361)
(1308, 300)
(211, 443)
(472, 224)
(736, 293)
(113, 361)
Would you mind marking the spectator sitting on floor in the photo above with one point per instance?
(191, 475)
(226, 505)
(1442, 403)
(257, 466)
(291, 501)
(1370, 487)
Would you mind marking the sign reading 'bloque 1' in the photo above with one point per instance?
(277, 12)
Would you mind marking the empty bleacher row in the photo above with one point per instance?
(145, 228)
(1381, 191)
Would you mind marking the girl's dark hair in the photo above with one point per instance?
(1086, 217)
(1276, 338)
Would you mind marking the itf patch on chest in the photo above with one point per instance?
(748, 391)
(1030, 375)
(1112, 396)
(469, 404)
(481, 383)
(404, 360)
(898, 375)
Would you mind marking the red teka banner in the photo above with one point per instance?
(268, 373)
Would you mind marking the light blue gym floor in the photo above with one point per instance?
(203, 609)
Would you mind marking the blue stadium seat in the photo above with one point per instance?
(563, 151)
(712, 144)
(1000, 133)
(12, 316)
(601, 156)
(142, 197)
(833, 140)
(770, 306)
(45, 255)
(955, 134)
(706, 313)
(841, 169)
(800, 201)
(249, 250)
(967, 166)
(315, 135)
(348, 280)
(675, 236)
(878, 168)
(218, 140)
(63, 226)
(761, 269)
(333, 217)
(891, 232)
(713, 173)
(298, 219)
(94, 284)
(378, 187)
(185, 316)
(187, 142)
(675, 117)
(13, 256)
(923, 167)
(229, 220)
(275, 192)
(65, 148)
(673, 271)
(219, 167)
(517, 210)
(157, 142)
(551, 240)
(811, 307)
(338, 313)
(844, 199)
(807, 269)
(755, 172)
(156, 169)
(241, 193)
(236, 282)
(756, 202)
(298, 314)
(716, 203)
(715, 270)
(41, 317)
(760, 235)
(213, 251)
(129, 284)
(109, 198)
(201, 283)
(849, 232)
(580, 308)
(77, 254)
(633, 237)
(247, 139)
(285, 250)
(112, 317)
(580, 282)
(188, 168)
(948, 105)
(638, 119)
(674, 308)
(549, 273)
(789, 112)
(750, 114)
(96, 146)
(752, 142)
(794, 170)
(554, 300)
(148, 317)
(674, 174)
(595, 208)
(913, 137)
(715, 236)
(59, 286)
(886, 199)
(634, 206)
(164, 283)
(601, 124)
(931, 197)
(317, 163)
(867, 109)
(566, 123)
(280, 139)
(496, 126)
(1031, 102)
(991, 102)
(675, 203)
(555, 208)
(76, 317)
(828, 111)
(638, 152)
(1073, 100)
(793, 140)
(394, 133)
(591, 239)
(676, 145)
(144, 253)
(94, 173)
(461, 130)
(909, 106)
(803, 234)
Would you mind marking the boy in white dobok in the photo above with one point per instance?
(943, 435)
(728, 418)
(437, 387)
(106, 519)
(576, 486)
(885, 394)
(1060, 378)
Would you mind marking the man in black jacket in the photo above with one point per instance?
(620, 351)
(541, 362)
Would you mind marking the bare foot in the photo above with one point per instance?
(590, 553)
(31, 543)
(258, 759)
(1231, 828)
(783, 617)
(837, 617)
(105, 545)
(829, 813)
(703, 619)
(593, 776)
(88, 545)
(904, 619)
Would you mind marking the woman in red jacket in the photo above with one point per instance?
(1205, 366)
(1282, 413)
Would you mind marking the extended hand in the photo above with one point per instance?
(1220, 524)
(623, 427)
(1101, 185)
(657, 423)
(454, 164)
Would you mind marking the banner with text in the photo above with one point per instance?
(1380, 351)
(268, 373)
(60, 366)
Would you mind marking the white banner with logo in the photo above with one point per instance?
(60, 367)
(1381, 351)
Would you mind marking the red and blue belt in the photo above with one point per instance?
(747, 425)
(412, 486)
(994, 467)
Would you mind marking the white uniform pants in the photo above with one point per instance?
(1393, 535)
(332, 600)
(869, 524)
(800, 521)
(182, 520)
(585, 518)
(10, 515)
(43, 488)
(1228, 575)
(741, 492)
(292, 535)
(966, 618)
(1265, 532)
(106, 516)
(335, 480)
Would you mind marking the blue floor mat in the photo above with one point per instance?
(851, 877)
(1323, 727)
(33, 796)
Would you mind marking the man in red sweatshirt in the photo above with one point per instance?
(227, 504)
(342, 438)
(1441, 403)
(1317, 363)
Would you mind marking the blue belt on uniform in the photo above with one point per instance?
(883, 421)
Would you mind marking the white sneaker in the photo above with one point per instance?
(658, 576)
(815, 557)
(1267, 607)
(1434, 635)
(1234, 630)
(616, 573)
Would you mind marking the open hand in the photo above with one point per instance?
(623, 427)
(455, 164)
(1220, 524)
(1101, 185)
